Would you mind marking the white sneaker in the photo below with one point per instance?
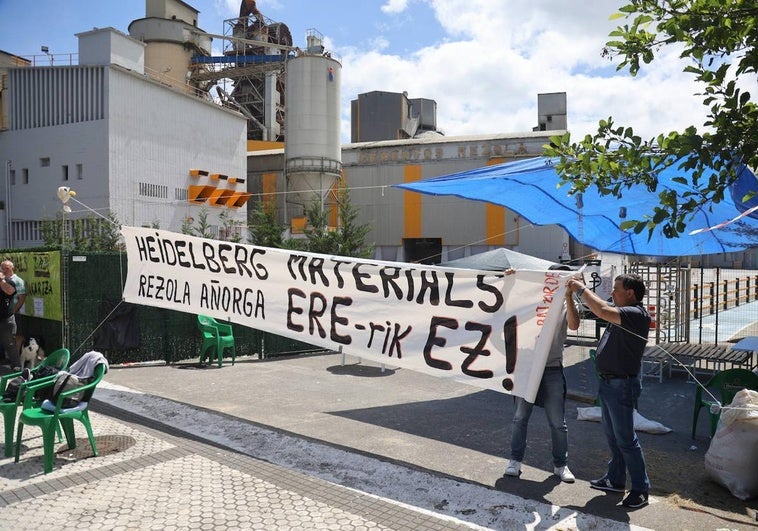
(513, 469)
(564, 473)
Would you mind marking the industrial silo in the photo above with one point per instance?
(313, 153)
(172, 38)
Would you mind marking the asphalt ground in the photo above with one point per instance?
(355, 445)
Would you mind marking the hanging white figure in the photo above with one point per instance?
(64, 194)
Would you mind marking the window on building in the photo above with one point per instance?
(79, 172)
(36, 236)
(44, 162)
(26, 231)
(13, 177)
(25, 176)
(153, 190)
(64, 172)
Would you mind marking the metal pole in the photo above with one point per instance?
(64, 282)
(718, 284)
(8, 217)
(700, 312)
(285, 172)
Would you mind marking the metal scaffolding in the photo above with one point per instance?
(250, 76)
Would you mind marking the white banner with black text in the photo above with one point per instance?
(483, 328)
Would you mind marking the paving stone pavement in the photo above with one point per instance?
(152, 473)
(312, 443)
(149, 479)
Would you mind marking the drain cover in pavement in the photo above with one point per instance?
(106, 444)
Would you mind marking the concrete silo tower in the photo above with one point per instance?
(172, 38)
(313, 152)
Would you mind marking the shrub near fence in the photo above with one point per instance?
(164, 335)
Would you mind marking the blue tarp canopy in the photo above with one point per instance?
(530, 188)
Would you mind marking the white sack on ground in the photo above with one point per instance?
(732, 457)
(640, 422)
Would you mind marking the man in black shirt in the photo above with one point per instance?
(618, 361)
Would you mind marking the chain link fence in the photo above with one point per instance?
(92, 288)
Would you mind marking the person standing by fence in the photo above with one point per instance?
(18, 301)
(7, 321)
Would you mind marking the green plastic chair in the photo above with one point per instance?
(48, 420)
(217, 337)
(59, 359)
(725, 385)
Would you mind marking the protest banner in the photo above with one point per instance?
(483, 328)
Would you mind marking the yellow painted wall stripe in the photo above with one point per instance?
(412, 204)
(333, 198)
(268, 187)
(494, 216)
(263, 145)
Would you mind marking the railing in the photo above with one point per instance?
(711, 297)
(698, 307)
(50, 59)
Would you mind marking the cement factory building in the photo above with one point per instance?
(154, 128)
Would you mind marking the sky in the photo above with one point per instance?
(482, 61)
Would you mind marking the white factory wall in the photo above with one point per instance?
(156, 136)
(151, 135)
(73, 145)
(371, 169)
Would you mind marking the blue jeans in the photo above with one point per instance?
(553, 391)
(617, 398)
